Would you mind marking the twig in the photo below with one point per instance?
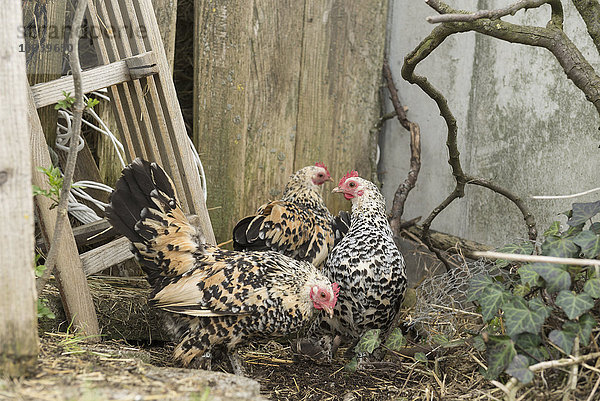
(527, 215)
(594, 389)
(491, 14)
(572, 385)
(537, 258)
(565, 196)
(78, 106)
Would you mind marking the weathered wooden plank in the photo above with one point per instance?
(105, 256)
(88, 234)
(93, 79)
(166, 18)
(221, 77)
(76, 296)
(18, 319)
(339, 87)
(272, 98)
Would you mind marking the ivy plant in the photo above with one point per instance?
(525, 336)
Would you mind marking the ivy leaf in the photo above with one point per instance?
(478, 343)
(489, 294)
(563, 339)
(396, 340)
(592, 287)
(520, 248)
(553, 230)
(522, 318)
(531, 345)
(440, 339)
(500, 352)
(556, 276)
(519, 369)
(560, 247)
(582, 212)
(589, 243)
(369, 341)
(583, 327)
(529, 276)
(352, 365)
(421, 357)
(595, 228)
(574, 305)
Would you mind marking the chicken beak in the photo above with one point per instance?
(329, 179)
(337, 189)
(329, 311)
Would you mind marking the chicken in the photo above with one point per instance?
(214, 297)
(298, 225)
(366, 264)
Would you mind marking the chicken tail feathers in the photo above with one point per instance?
(144, 208)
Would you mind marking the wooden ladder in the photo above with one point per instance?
(136, 72)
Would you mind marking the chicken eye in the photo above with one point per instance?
(322, 294)
(351, 184)
(320, 174)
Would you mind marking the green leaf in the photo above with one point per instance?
(574, 305)
(553, 230)
(589, 243)
(560, 247)
(582, 327)
(519, 369)
(556, 276)
(529, 276)
(522, 318)
(520, 248)
(500, 352)
(595, 228)
(582, 212)
(421, 357)
(478, 343)
(396, 340)
(592, 287)
(352, 365)
(369, 341)
(531, 345)
(563, 339)
(492, 299)
(478, 286)
(440, 339)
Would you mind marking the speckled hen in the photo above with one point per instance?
(215, 297)
(366, 264)
(298, 225)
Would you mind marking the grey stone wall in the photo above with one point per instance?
(522, 124)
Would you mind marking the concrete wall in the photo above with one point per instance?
(522, 124)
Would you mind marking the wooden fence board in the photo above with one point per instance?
(18, 319)
(292, 83)
(339, 89)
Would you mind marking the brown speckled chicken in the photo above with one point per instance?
(298, 225)
(215, 297)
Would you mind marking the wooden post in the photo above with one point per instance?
(18, 316)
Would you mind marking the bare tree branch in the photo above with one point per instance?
(491, 14)
(527, 215)
(78, 106)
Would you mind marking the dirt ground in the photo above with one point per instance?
(70, 369)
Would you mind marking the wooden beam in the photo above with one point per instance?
(18, 324)
(105, 256)
(93, 79)
(75, 295)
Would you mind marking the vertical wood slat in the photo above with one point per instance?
(18, 317)
(339, 89)
(221, 75)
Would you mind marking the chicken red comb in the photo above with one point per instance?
(319, 164)
(336, 290)
(352, 173)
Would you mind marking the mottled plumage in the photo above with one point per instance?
(366, 264)
(298, 225)
(215, 296)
